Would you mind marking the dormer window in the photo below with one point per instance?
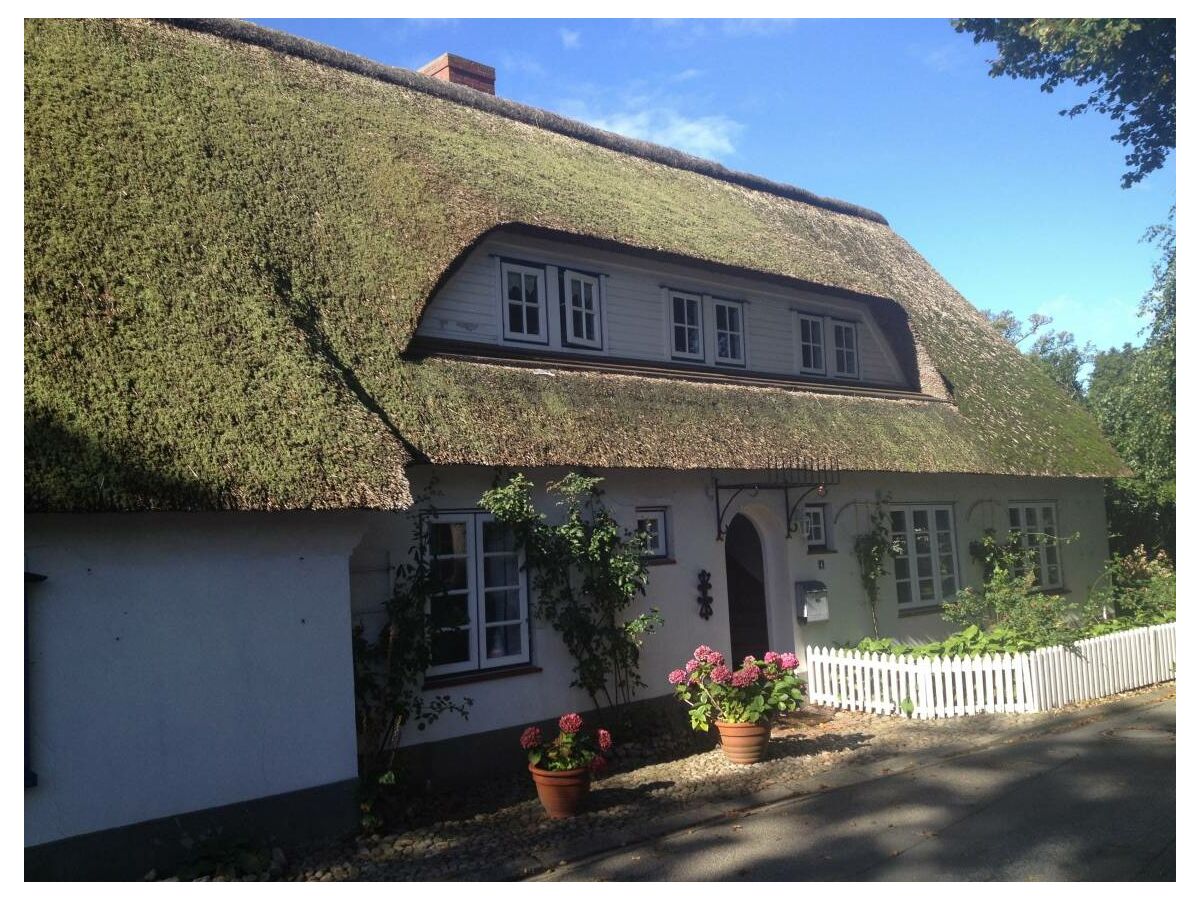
(686, 332)
(582, 310)
(812, 344)
(524, 309)
(845, 349)
(730, 333)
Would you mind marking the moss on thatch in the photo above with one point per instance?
(228, 249)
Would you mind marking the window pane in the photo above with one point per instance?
(576, 292)
(450, 647)
(589, 328)
(504, 640)
(514, 286)
(735, 346)
(949, 589)
(723, 345)
(498, 537)
(924, 566)
(941, 519)
(680, 315)
(1014, 517)
(681, 339)
(577, 323)
(448, 538)
(531, 320)
(452, 573)
(898, 526)
(723, 317)
(531, 289)
(735, 319)
(903, 592)
(693, 341)
(450, 610)
(818, 358)
(693, 312)
(501, 571)
(502, 606)
(926, 589)
(901, 564)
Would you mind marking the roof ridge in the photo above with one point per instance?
(282, 42)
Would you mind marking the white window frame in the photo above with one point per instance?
(816, 326)
(817, 511)
(661, 516)
(740, 309)
(539, 272)
(852, 327)
(570, 338)
(1028, 541)
(688, 298)
(910, 544)
(477, 599)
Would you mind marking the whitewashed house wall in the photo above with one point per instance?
(978, 503)
(180, 662)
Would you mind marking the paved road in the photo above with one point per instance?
(1096, 802)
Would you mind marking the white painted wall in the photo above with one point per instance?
(978, 502)
(184, 661)
(467, 308)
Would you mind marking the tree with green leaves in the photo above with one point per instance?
(1056, 353)
(1130, 64)
(1132, 394)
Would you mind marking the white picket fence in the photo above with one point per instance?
(1000, 682)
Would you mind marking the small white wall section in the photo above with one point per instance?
(179, 662)
(467, 308)
(978, 503)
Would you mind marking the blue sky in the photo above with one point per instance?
(1019, 207)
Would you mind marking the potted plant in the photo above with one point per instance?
(741, 702)
(562, 768)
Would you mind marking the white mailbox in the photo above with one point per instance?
(812, 602)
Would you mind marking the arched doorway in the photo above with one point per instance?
(747, 596)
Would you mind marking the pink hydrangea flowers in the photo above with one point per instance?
(754, 691)
(604, 739)
(531, 737)
(745, 676)
(770, 657)
(788, 661)
(720, 674)
(677, 676)
(570, 722)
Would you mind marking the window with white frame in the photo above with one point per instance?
(925, 555)
(652, 522)
(1035, 528)
(687, 335)
(524, 302)
(730, 332)
(582, 310)
(812, 343)
(814, 527)
(481, 618)
(845, 349)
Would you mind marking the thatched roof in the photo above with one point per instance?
(230, 240)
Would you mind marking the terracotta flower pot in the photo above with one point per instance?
(562, 792)
(744, 742)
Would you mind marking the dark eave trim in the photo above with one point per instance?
(281, 42)
(468, 351)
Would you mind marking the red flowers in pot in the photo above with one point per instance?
(741, 702)
(562, 768)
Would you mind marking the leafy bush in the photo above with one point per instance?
(1136, 588)
(1015, 605)
(585, 574)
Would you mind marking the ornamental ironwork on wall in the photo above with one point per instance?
(795, 477)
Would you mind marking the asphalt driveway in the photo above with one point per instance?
(1094, 801)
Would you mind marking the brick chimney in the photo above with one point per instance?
(458, 70)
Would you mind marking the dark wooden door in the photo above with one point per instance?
(747, 597)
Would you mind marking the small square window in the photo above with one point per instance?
(652, 522)
(815, 535)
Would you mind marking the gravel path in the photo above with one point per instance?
(502, 832)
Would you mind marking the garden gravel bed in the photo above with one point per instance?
(500, 831)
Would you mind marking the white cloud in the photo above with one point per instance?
(687, 75)
(570, 39)
(944, 58)
(709, 136)
(521, 62)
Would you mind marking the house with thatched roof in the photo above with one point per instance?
(274, 291)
